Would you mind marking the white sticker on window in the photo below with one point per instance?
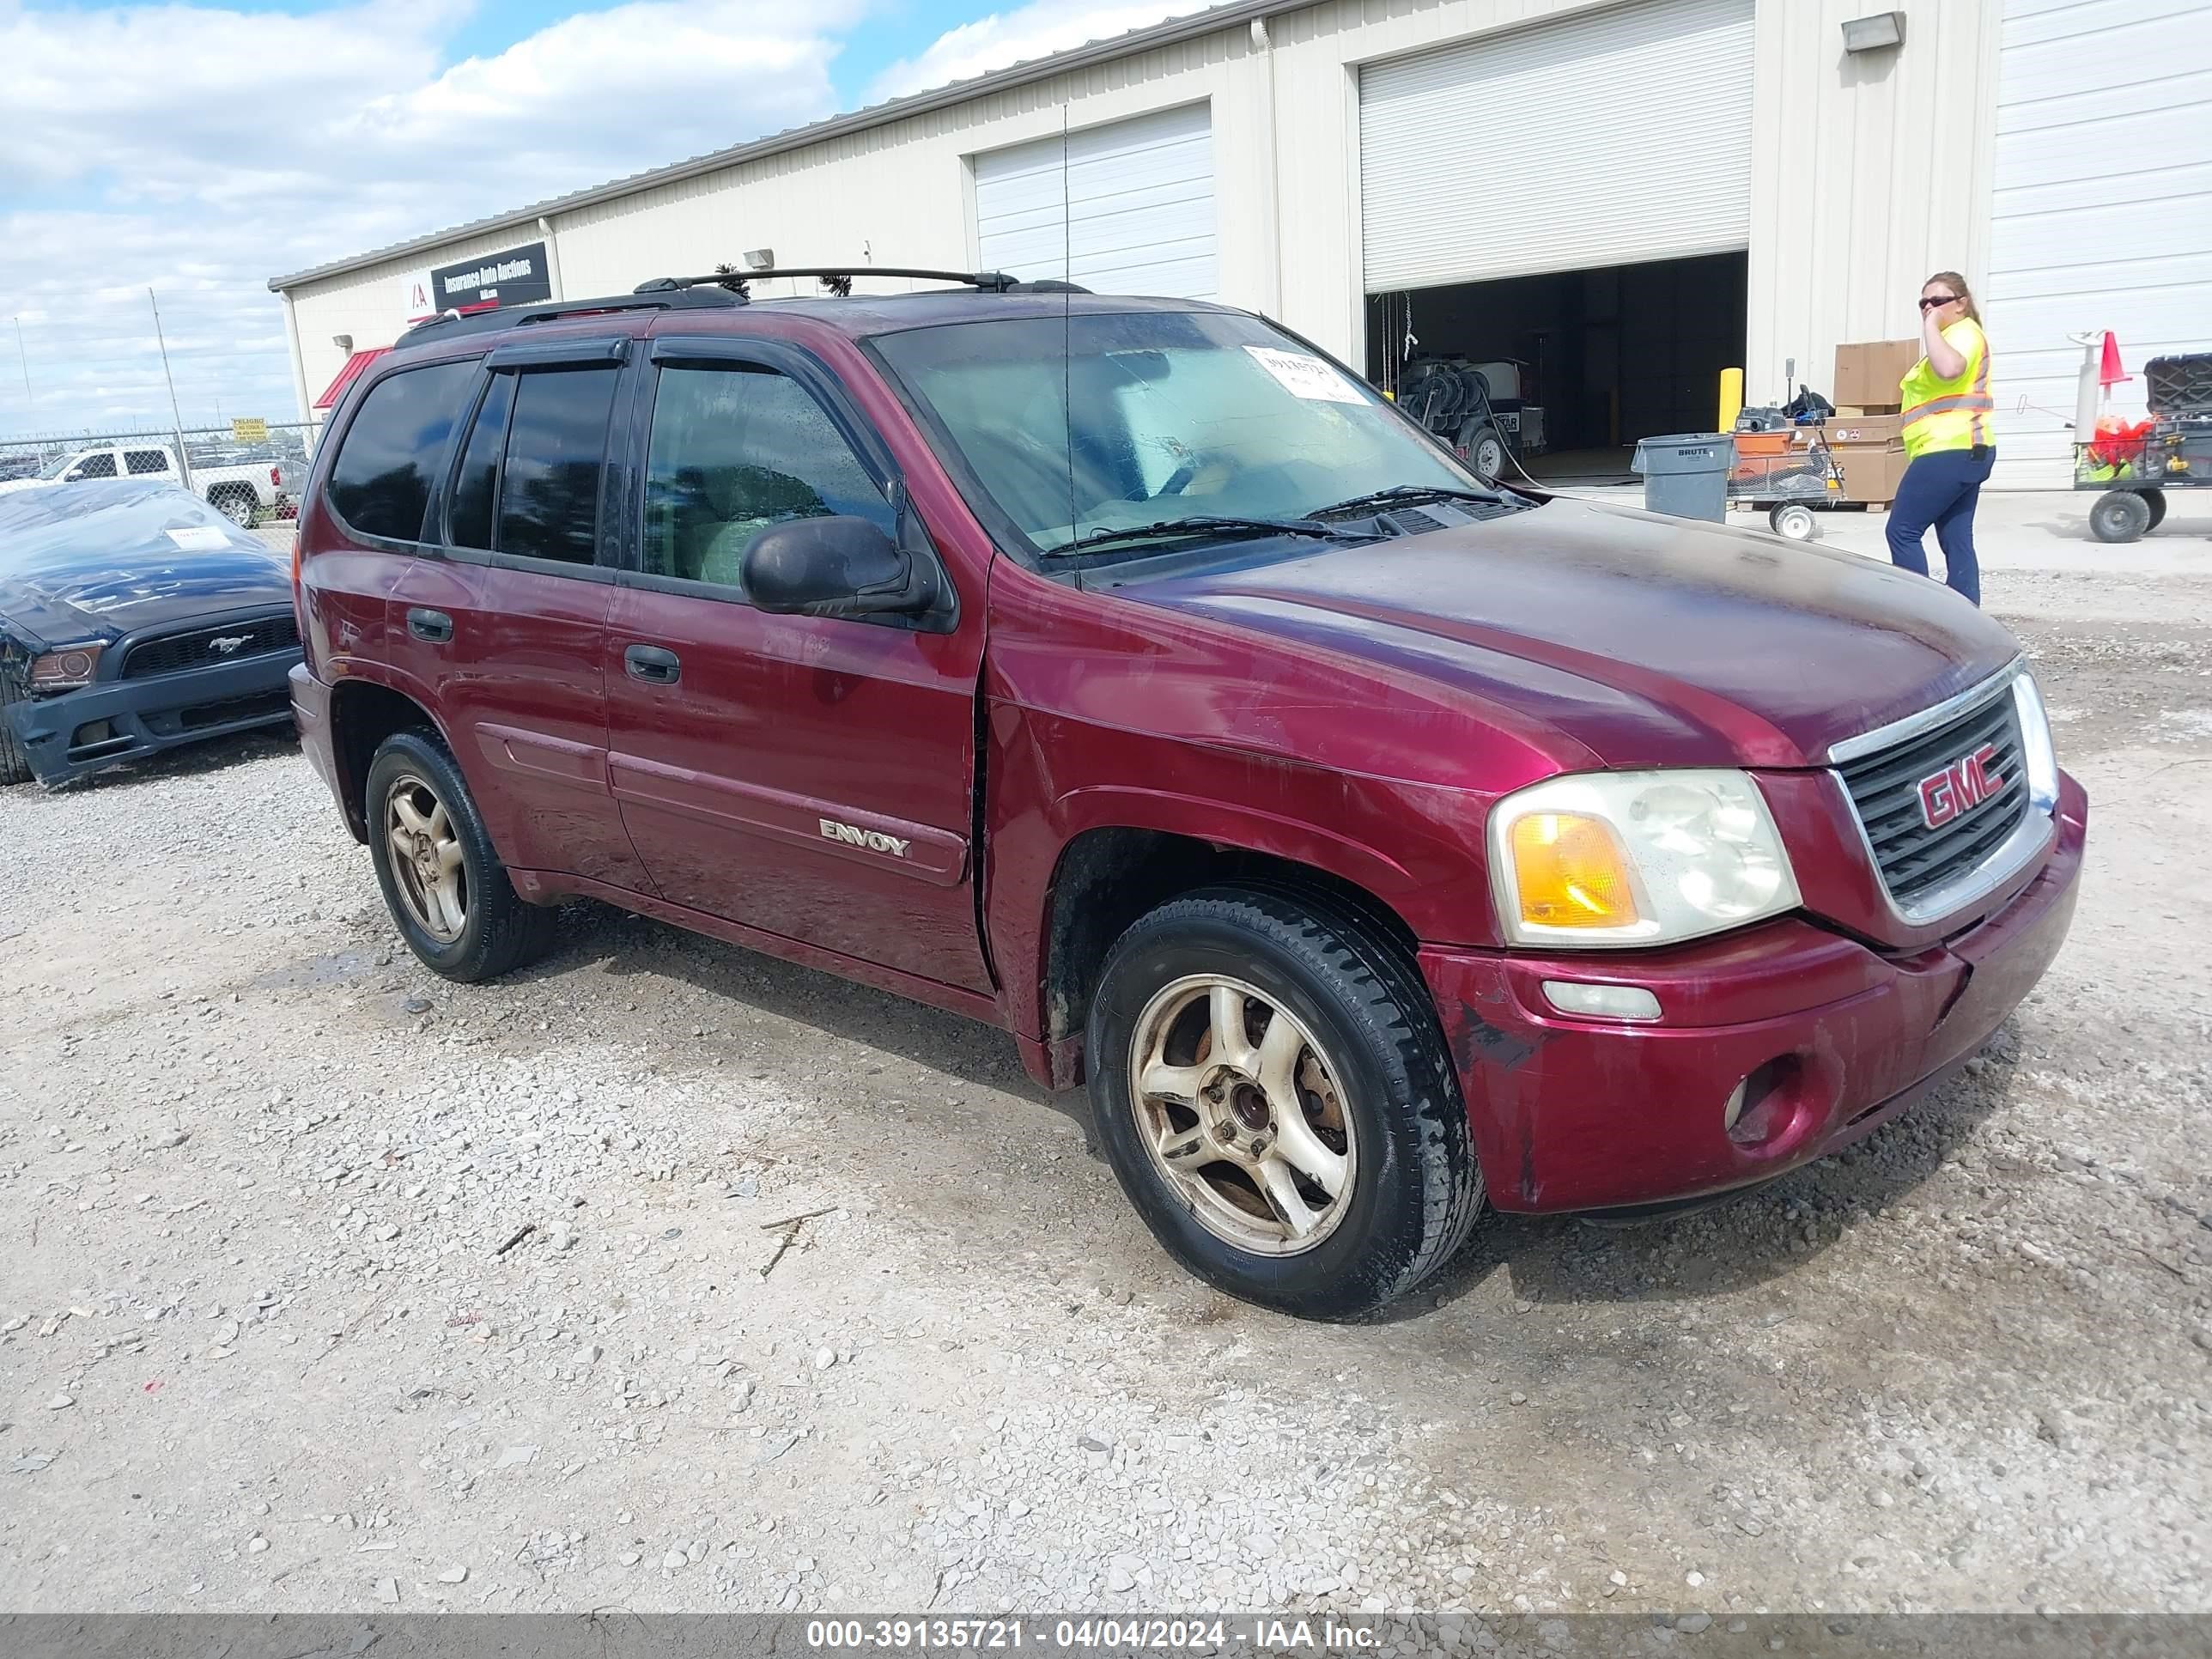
(200, 538)
(1306, 377)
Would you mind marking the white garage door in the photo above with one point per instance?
(1604, 140)
(1124, 208)
(2102, 217)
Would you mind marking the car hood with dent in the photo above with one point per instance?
(98, 560)
(1639, 640)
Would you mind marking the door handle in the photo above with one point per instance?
(434, 626)
(652, 664)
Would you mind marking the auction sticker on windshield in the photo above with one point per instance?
(1306, 377)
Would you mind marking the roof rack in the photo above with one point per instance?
(733, 281)
(458, 323)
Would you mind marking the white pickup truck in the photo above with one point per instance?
(236, 491)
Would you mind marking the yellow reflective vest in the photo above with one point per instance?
(1953, 413)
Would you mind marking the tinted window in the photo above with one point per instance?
(733, 451)
(101, 465)
(557, 447)
(139, 462)
(396, 447)
(477, 487)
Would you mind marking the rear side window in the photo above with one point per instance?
(556, 450)
(388, 464)
(139, 462)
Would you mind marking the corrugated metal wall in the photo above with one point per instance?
(2102, 213)
(1867, 172)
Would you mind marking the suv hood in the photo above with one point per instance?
(100, 560)
(1638, 640)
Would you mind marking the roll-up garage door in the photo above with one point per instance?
(2102, 217)
(1123, 209)
(1601, 140)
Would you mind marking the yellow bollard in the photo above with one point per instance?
(1731, 398)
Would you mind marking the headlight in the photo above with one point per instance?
(2035, 745)
(67, 669)
(1636, 858)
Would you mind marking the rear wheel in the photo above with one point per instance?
(2156, 498)
(2119, 515)
(445, 887)
(1270, 1086)
(235, 505)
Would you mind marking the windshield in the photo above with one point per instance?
(1090, 423)
(56, 467)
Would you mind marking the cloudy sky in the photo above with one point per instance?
(201, 149)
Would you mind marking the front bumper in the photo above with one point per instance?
(1574, 1114)
(111, 721)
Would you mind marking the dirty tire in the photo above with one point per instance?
(1416, 1189)
(2119, 515)
(15, 764)
(502, 931)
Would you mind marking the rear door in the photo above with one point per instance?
(508, 624)
(809, 776)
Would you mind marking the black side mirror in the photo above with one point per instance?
(834, 567)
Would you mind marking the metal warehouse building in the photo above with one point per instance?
(1630, 196)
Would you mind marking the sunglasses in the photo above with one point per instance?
(1936, 300)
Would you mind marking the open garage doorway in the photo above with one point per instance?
(1577, 364)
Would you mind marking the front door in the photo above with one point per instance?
(809, 776)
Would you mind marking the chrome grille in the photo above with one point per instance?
(1884, 791)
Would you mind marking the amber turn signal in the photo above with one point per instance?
(1571, 873)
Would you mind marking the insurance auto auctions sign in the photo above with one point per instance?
(516, 276)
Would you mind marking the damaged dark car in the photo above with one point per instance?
(133, 618)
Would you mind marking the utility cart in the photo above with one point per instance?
(2135, 463)
(1790, 472)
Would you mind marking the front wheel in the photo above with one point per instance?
(1270, 1086)
(1795, 520)
(2119, 515)
(445, 888)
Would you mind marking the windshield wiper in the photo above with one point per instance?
(1199, 525)
(1404, 494)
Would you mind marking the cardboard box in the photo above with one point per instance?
(1871, 471)
(1867, 373)
(1865, 428)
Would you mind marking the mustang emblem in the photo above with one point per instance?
(224, 644)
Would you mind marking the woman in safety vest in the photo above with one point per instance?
(1947, 407)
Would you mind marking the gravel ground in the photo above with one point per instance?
(668, 1277)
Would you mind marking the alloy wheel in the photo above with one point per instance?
(1241, 1110)
(428, 869)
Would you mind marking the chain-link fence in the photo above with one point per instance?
(252, 470)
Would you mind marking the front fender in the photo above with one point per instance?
(1414, 848)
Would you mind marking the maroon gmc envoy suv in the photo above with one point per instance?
(1376, 840)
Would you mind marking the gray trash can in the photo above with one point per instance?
(1686, 475)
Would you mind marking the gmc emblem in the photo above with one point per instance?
(1959, 787)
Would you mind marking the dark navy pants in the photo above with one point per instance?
(1940, 489)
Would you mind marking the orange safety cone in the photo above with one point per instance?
(2109, 372)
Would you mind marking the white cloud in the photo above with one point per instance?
(202, 151)
(1037, 30)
